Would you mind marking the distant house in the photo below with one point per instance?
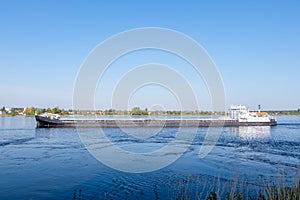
(7, 110)
(18, 111)
(2, 112)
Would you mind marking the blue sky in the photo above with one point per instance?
(255, 45)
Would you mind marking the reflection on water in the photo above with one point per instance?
(251, 132)
(50, 132)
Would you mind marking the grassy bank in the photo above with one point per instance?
(207, 189)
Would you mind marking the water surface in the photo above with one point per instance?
(54, 164)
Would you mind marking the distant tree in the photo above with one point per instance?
(29, 111)
(110, 112)
(64, 112)
(38, 111)
(138, 111)
(55, 110)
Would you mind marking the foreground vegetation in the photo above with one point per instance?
(182, 191)
(237, 190)
(269, 193)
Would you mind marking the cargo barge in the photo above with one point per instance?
(239, 116)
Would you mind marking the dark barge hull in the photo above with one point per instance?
(45, 122)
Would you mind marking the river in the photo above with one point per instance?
(55, 164)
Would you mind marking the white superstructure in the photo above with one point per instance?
(242, 114)
(51, 116)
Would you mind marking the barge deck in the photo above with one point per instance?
(46, 122)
